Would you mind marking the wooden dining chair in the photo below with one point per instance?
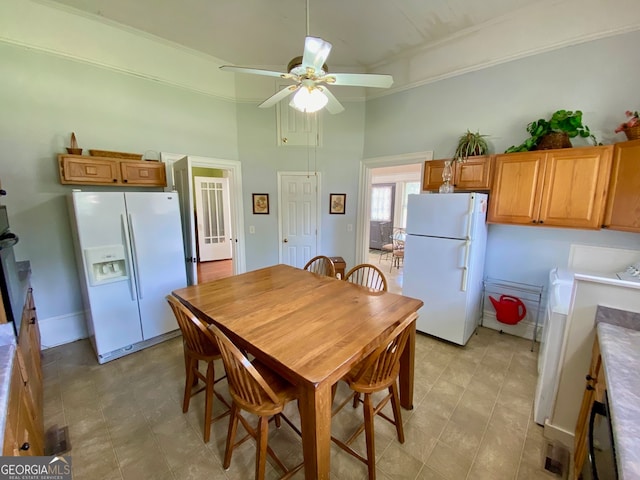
(198, 347)
(257, 390)
(321, 265)
(377, 372)
(397, 255)
(367, 275)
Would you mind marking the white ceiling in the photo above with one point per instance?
(364, 33)
(416, 41)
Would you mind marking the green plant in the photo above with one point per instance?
(469, 145)
(564, 121)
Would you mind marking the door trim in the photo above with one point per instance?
(318, 176)
(234, 167)
(364, 193)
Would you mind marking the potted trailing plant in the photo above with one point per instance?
(555, 132)
(470, 145)
(631, 127)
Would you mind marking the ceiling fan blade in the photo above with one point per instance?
(359, 79)
(254, 71)
(316, 51)
(333, 105)
(275, 98)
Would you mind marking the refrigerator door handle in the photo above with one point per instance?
(135, 255)
(465, 266)
(125, 230)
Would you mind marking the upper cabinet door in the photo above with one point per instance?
(575, 187)
(473, 174)
(432, 175)
(517, 188)
(139, 172)
(623, 204)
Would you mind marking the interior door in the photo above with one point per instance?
(298, 217)
(183, 182)
(382, 207)
(213, 218)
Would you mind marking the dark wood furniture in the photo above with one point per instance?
(340, 266)
(302, 327)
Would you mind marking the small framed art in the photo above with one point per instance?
(337, 203)
(260, 203)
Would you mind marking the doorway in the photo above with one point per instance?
(381, 215)
(180, 175)
(370, 170)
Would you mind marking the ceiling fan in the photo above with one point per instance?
(311, 77)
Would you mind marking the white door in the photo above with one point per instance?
(214, 218)
(183, 183)
(298, 218)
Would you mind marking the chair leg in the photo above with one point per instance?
(190, 364)
(231, 436)
(397, 415)
(208, 402)
(369, 435)
(261, 454)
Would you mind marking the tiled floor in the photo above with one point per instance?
(392, 273)
(471, 417)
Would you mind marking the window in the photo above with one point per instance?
(409, 189)
(381, 203)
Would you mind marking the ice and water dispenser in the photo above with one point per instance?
(106, 264)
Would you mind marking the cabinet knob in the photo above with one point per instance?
(25, 446)
(541, 221)
(604, 226)
(588, 378)
(534, 221)
(115, 180)
(590, 387)
(125, 180)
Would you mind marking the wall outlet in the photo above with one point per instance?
(350, 227)
(252, 229)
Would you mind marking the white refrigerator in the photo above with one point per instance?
(444, 261)
(130, 255)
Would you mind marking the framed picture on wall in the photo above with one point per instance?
(260, 203)
(337, 203)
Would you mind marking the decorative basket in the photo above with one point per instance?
(554, 140)
(632, 133)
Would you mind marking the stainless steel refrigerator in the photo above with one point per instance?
(444, 261)
(130, 255)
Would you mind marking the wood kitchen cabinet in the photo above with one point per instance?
(24, 429)
(82, 170)
(594, 391)
(560, 188)
(470, 175)
(623, 202)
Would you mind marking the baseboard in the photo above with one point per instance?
(551, 432)
(63, 329)
(522, 329)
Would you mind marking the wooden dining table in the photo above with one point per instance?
(311, 330)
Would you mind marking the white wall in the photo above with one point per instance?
(337, 161)
(595, 77)
(44, 98)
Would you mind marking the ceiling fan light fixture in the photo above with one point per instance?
(309, 100)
